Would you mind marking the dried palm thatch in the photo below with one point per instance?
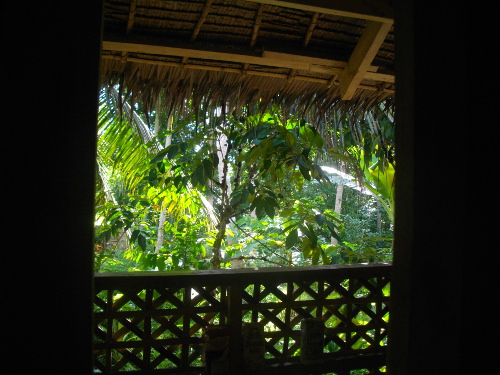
(250, 53)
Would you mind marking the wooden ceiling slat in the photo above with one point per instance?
(202, 19)
(131, 16)
(256, 26)
(310, 30)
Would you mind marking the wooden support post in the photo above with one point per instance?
(234, 317)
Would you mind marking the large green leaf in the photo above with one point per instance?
(292, 238)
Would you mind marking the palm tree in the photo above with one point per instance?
(127, 147)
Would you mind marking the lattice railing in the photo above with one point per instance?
(152, 322)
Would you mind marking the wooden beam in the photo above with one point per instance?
(360, 61)
(379, 76)
(374, 10)
(265, 58)
(244, 71)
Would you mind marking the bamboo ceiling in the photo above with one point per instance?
(302, 53)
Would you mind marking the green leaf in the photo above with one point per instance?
(306, 151)
(271, 201)
(251, 189)
(254, 154)
(172, 150)
(200, 174)
(260, 210)
(325, 258)
(264, 132)
(337, 153)
(333, 230)
(183, 146)
(265, 165)
(178, 181)
(305, 173)
(159, 156)
(134, 235)
(292, 238)
(194, 180)
(312, 236)
(315, 256)
(287, 212)
(255, 202)
(152, 175)
(269, 210)
(208, 168)
(306, 247)
(161, 166)
(141, 240)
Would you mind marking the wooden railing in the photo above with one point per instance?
(153, 322)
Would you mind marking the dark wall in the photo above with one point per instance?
(50, 53)
(427, 330)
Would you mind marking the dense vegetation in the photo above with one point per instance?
(207, 189)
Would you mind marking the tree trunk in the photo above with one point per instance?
(338, 206)
(338, 200)
(225, 209)
(223, 167)
(221, 234)
(163, 213)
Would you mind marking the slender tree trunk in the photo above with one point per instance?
(221, 234)
(225, 211)
(338, 200)
(338, 206)
(168, 142)
(223, 166)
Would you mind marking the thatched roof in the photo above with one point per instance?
(299, 53)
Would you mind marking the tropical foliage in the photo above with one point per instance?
(208, 189)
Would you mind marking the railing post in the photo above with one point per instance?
(109, 330)
(235, 317)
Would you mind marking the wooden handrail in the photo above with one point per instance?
(153, 322)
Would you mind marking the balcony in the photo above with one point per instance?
(153, 322)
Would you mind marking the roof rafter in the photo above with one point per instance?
(256, 26)
(202, 19)
(311, 28)
(131, 16)
(361, 58)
